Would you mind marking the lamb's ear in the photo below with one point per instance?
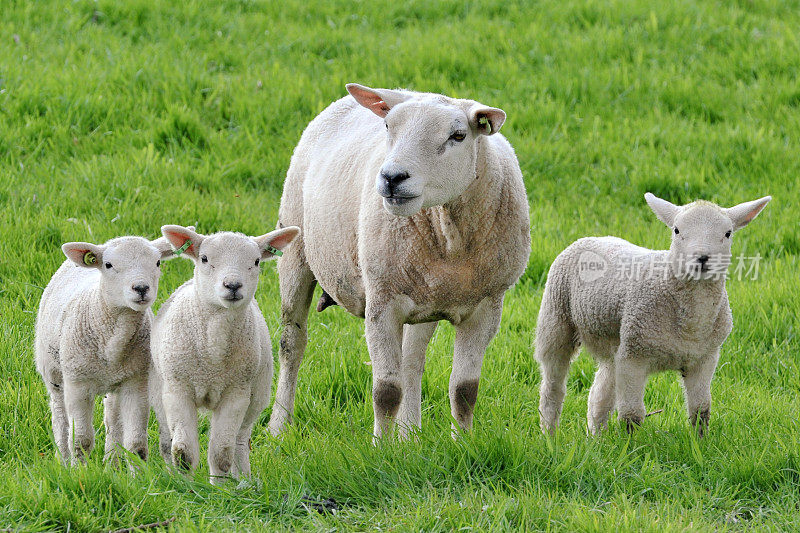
(184, 240)
(379, 101)
(84, 254)
(164, 247)
(486, 120)
(274, 242)
(664, 210)
(742, 214)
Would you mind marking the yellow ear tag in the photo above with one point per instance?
(89, 258)
(483, 121)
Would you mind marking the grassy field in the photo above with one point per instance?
(118, 117)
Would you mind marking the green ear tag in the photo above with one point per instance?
(483, 121)
(183, 248)
(89, 258)
(273, 250)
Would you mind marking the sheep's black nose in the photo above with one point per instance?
(141, 289)
(703, 259)
(232, 286)
(393, 178)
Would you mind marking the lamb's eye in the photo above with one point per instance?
(158, 263)
(108, 265)
(258, 261)
(458, 136)
(204, 259)
(387, 125)
(727, 234)
(676, 231)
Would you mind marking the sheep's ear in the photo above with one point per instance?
(664, 210)
(164, 248)
(379, 101)
(486, 120)
(274, 242)
(84, 254)
(184, 240)
(742, 214)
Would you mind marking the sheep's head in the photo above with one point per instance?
(227, 264)
(431, 145)
(128, 266)
(701, 234)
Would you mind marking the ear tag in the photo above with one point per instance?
(183, 248)
(483, 121)
(273, 250)
(89, 258)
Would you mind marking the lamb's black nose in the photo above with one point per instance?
(232, 286)
(703, 259)
(393, 178)
(141, 289)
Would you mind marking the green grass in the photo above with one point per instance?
(118, 117)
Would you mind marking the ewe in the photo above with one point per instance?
(640, 311)
(93, 337)
(413, 210)
(211, 349)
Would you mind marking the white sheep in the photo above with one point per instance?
(211, 349)
(413, 210)
(93, 337)
(640, 311)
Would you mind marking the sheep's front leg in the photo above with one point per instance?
(697, 388)
(79, 401)
(472, 338)
(226, 421)
(133, 395)
(384, 332)
(415, 342)
(601, 398)
(113, 423)
(181, 412)
(630, 380)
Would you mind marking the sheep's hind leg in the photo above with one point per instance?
(697, 388)
(297, 288)
(60, 424)
(601, 397)
(472, 338)
(415, 342)
(556, 343)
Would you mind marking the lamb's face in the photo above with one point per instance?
(431, 156)
(227, 269)
(701, 242)
(130, 270)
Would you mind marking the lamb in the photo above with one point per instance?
(640, 311)
(211, 349)
(413, 210)
(93, 337)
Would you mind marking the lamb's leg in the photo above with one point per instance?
(79, 402)
(472, 338)
(415, 341)
(697, 388)
(297, 287)
(384, 332)
(601, 398)
(60, 423)
(113, 423)
(226, 422)
(157, 403)
(556, 343)
(259, 400)
(135, 411)
(181, 414)
(630, 380)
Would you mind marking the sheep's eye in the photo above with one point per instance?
(676, 231)
(108, 265)
(158, 263)
(727, 234)
(204, 259)
(458, 136)
(386, 124)
(258, 261)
